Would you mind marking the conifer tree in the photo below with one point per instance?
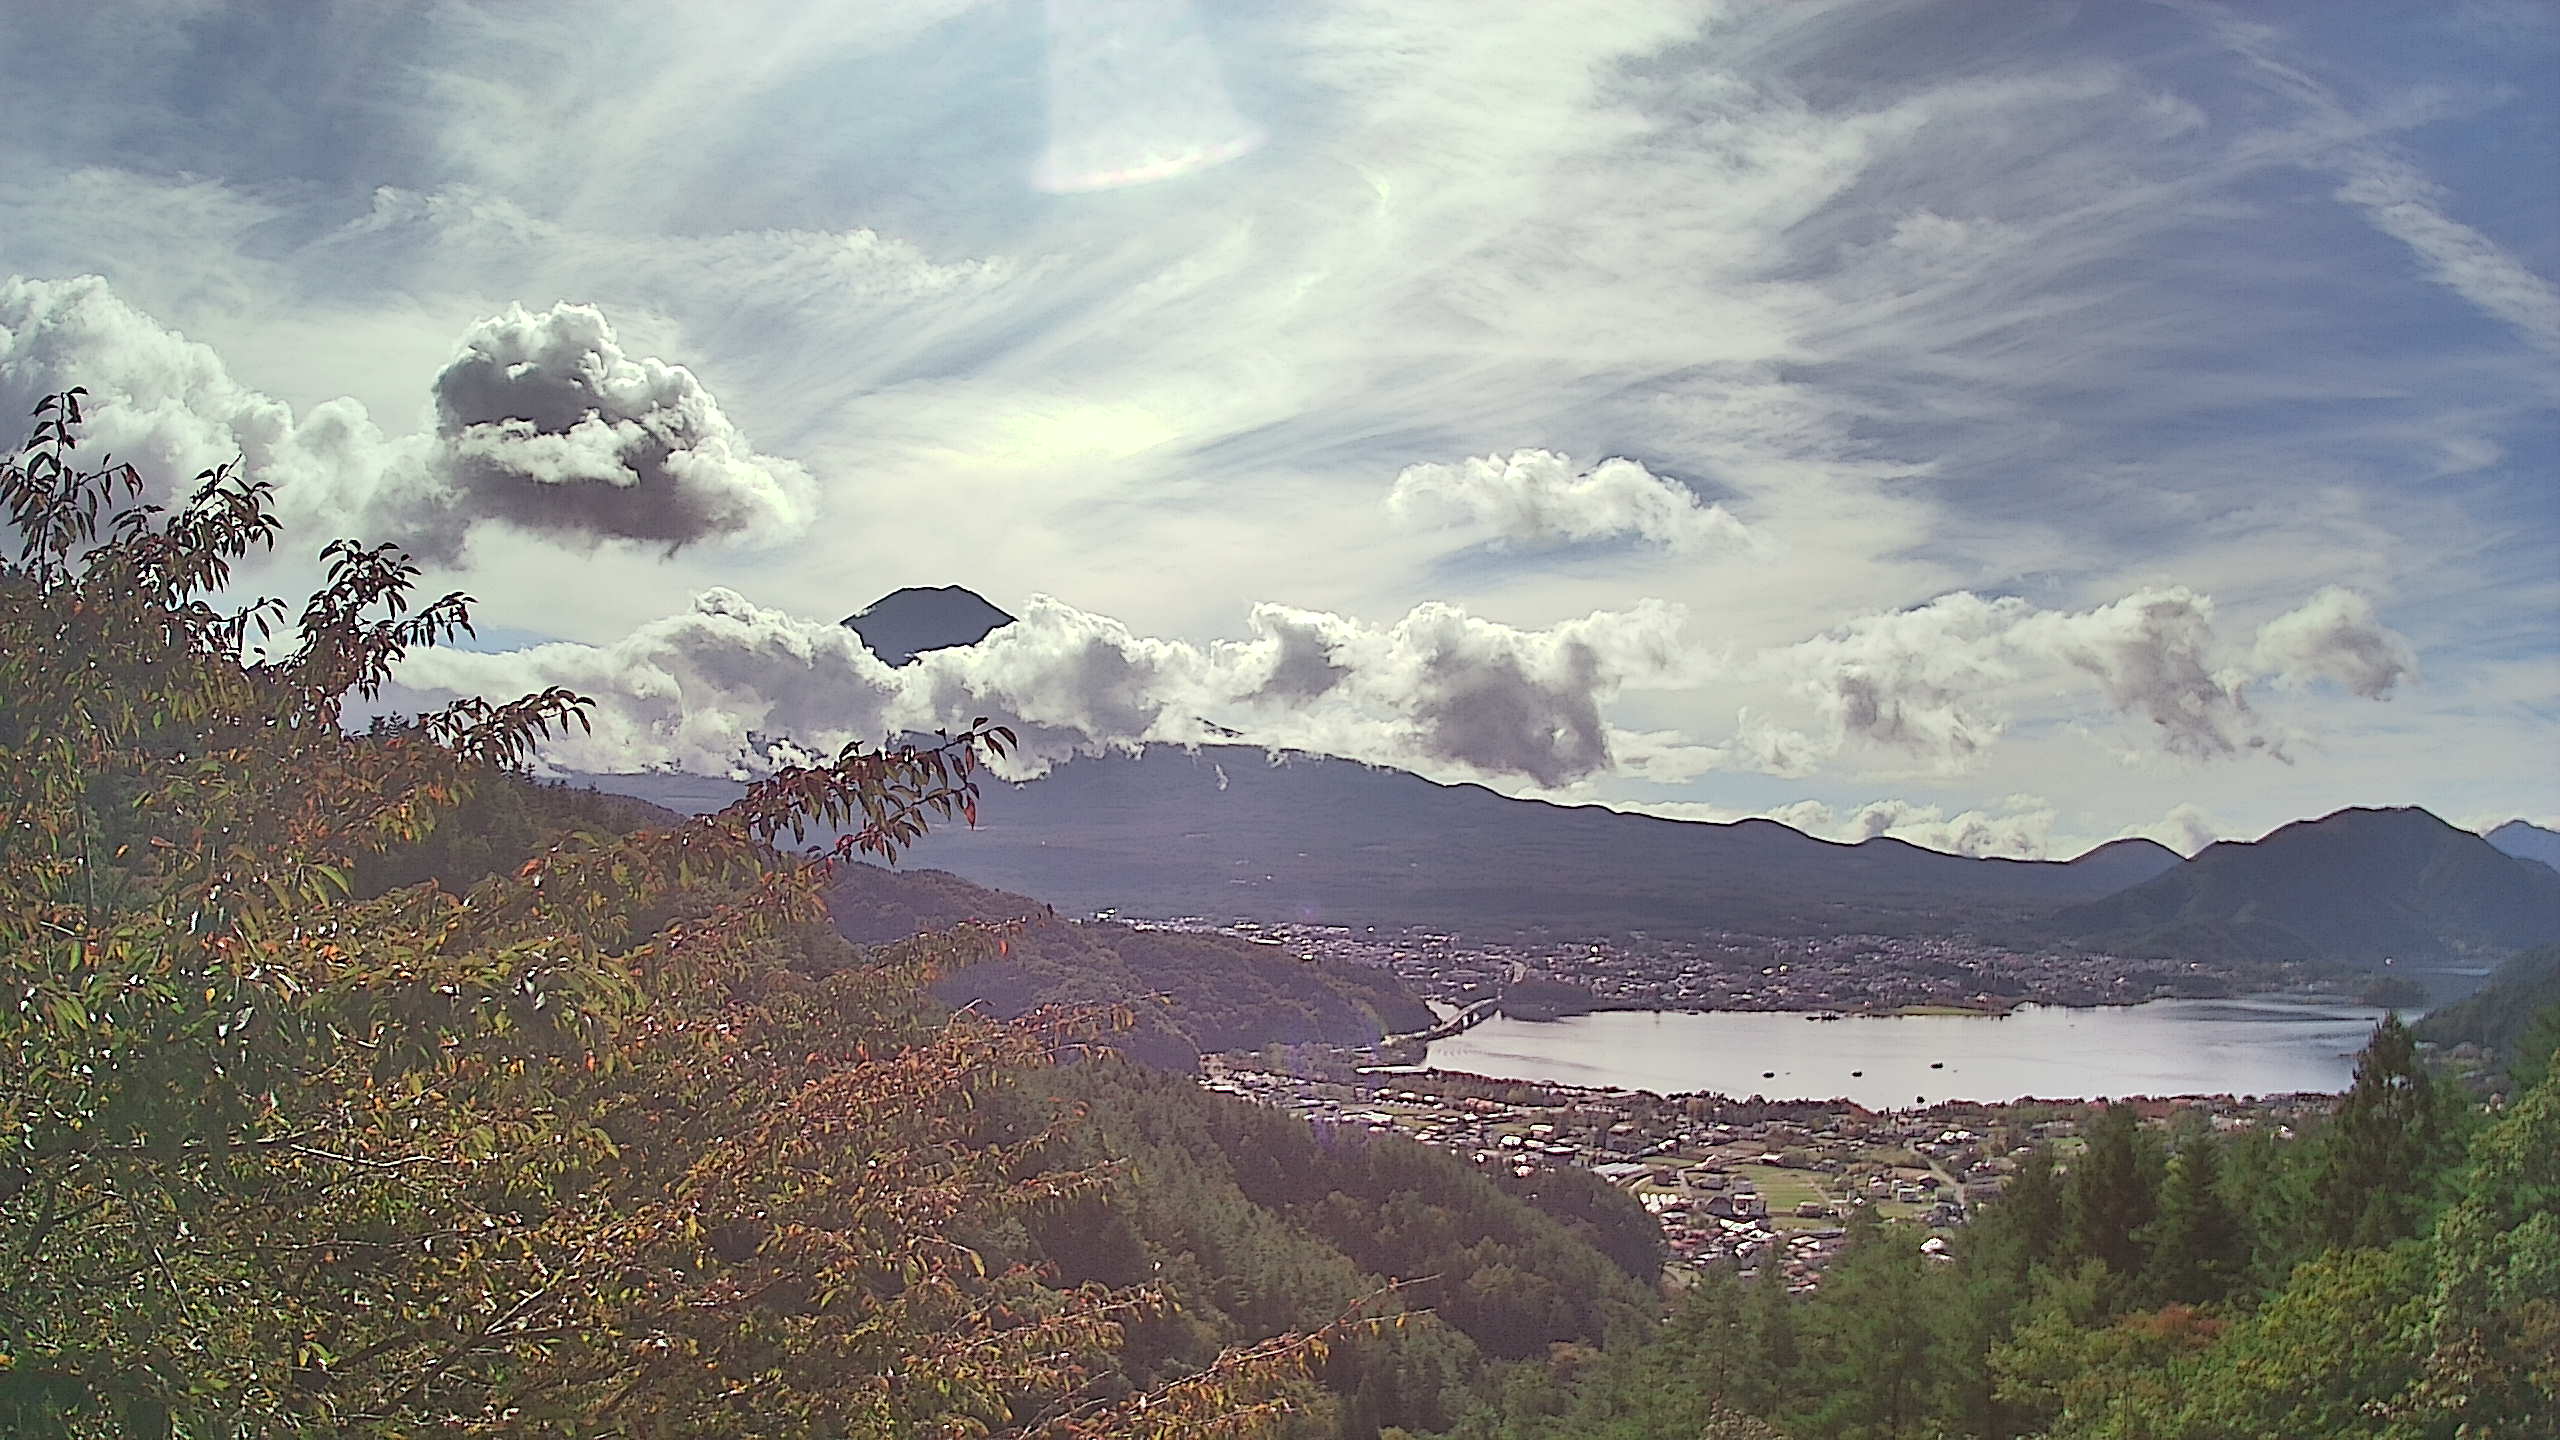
(2534, 1051)
(2198, 1248)
(2031, 1207)
(1875, 1344)
(2112, 1193)
(2378, 1164)
(1773, 1323)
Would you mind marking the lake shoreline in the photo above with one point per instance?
(2276, 1043)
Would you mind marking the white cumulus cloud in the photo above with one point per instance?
(543, 423)
(1438, 690)
(1941, 682)
(2335, 636)
(1535, 498)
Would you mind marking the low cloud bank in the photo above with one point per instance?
(2018, 827)
(1938, 683)
(1437, 690)
(1448, 693)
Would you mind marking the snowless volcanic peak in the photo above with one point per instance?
(903, 624)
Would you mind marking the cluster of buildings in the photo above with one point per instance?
(1850, 973)
(1748, 1182)
(1725, 1181)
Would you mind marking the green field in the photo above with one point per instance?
(1783, 1188)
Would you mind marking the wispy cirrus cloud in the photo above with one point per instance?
(2083, 310)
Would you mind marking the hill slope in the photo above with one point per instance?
(2360, 886)
(1189, 993)
(1251, 1222)
(2501, 1009)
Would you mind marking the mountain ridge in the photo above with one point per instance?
(2527, 841)
(2371, 885)
(1236, 832)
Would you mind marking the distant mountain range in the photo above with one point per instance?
(1234, 832)
(2528, 842)
(2363, 886)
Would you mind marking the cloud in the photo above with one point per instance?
(1534, 498)
(157, 400)
(2403, 204)
(2017, 827)
(2396, 197)
(1940, 682)
(543, 423)
(2020, 826)
(2335, 636)
(2151, 655)
(1439, 690)
(2186, 828)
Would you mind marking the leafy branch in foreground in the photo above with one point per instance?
(616, 1141)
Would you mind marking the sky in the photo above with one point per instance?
(2005, 427)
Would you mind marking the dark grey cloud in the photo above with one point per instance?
(1302, 663)
(1485, 701)
(545, 423)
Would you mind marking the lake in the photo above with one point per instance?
(2263, 1045)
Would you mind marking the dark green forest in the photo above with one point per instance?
(2514, 1017)
(2395, 1273)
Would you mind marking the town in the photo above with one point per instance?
(1855, 974)
(1751, 1183)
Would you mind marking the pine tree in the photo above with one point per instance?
(2534, 1051)
(2113, 1193)
(1875, 1345)
(1773, 1321)
(2031, 1207)
(2379, 1164)
(2198, 1247)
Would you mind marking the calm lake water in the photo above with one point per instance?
(2265, 1045)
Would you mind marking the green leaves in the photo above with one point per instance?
(578, 1143)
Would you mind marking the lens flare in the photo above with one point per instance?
(1135, 96)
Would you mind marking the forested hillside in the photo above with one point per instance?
(1232, 830)
(2392, 1275)
(1257, 1223)
(1184, 992)
(354, 1086)
(2360, 886)
(2515, 1015)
